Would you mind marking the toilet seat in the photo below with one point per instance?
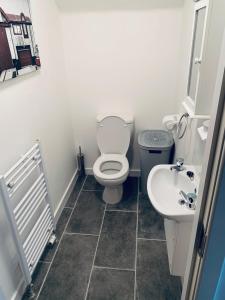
(111, 158)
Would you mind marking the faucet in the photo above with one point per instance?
(179, 165)
(188, 199)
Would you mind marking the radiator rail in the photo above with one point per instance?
(27, 181)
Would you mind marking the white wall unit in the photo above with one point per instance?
(200, 18)
(203, 56)
(209, 66)
(191, 147)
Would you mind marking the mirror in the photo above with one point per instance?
(198, 34)
(196, 53)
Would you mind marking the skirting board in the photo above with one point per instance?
(132, 172)
(65, 196)
(19, 291)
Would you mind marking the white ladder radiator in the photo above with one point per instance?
(25, 196)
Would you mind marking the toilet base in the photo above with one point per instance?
(113, 194)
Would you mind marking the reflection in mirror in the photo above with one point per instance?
(196, 52)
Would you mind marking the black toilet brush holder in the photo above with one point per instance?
(80, 163)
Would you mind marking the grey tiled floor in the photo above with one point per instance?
(107, 252)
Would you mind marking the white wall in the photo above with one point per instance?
(121, 59)
(31, 107)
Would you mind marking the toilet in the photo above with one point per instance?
(112, 167)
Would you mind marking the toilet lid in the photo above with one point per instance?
(113, 136)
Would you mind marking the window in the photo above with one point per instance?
(3, 18)
(25, 30)
(17, 29)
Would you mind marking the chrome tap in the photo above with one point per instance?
(179, 165)
(188, 199)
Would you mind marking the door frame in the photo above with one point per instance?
(209, 182)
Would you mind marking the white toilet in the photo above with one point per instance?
(111, 168)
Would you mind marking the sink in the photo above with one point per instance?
(164, 186)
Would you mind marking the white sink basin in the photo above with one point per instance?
(164, 188)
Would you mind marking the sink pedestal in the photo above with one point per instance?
(177, 241)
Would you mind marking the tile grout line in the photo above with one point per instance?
(92, 190)
(155, 240)
(135, 282)
(135, 267)
(38, 294)
(44, 262)
(111, 268)
(122, 210)
(79, 233)
(100, 232)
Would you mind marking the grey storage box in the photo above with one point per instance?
(156, 147)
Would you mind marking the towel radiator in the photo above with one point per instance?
(25, 196)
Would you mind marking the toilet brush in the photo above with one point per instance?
(80, 162)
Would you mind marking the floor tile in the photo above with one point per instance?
(50, 250)
(69, 274)
(153, 278)
(37, 278)
(129, 199)
(88, 214)
(73, 197)
(117, 242)
(92, 185)
(111, 285)
(150, 222)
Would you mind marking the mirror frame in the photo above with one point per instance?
(189, 103)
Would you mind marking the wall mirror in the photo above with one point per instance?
(198, 37)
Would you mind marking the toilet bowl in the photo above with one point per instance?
(111, 168)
